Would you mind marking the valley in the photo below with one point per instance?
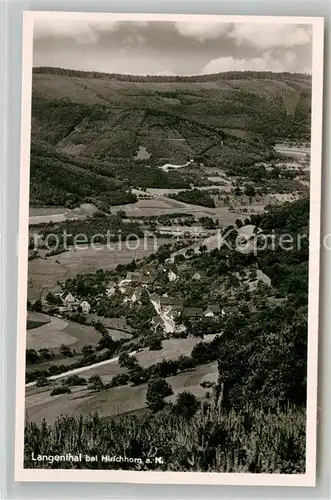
(153, 173)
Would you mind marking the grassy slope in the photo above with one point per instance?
(89, 126)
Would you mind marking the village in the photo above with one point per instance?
(168, 311)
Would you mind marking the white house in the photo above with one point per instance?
(172, 276)
(111, 289)
(136, 295)
(85, 306)
(68, 299)
(212, 311)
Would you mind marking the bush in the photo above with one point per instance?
(207, 384)
(78, 317)
(95, 383)
(138, 375)
(46, 353)
(155, 344)
(158, 389)
(42, 382)
(186, 404)
(73, 380)
(60, 390)
(185, 363)
(250, 190)
(120, 379)
(66, 351)
(31, 356)
(127, 361)
(195, 197)
(37, 306)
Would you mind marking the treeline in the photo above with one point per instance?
(228, 75)
(97, 229)
(287, 267)
(194, 197)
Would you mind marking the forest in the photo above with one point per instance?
(194, 197)
(227, 75)
(87, 130)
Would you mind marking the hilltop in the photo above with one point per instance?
(91, 126)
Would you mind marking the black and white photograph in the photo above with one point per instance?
(169, 248)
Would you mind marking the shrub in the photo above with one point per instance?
(158, 389)
(155, 344)
(138, 375)
(127, 361)
(73, 380)
(42, 381)
(186, 404)
(120, 379)
(95, 383)
(66, 351)
(64, 389)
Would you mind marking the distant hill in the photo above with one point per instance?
(90, 126)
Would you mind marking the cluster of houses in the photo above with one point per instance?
(134, 283)
(168, 310)
(72, 304)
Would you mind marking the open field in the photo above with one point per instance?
(39, 215)
(299, 152)
(119, 334)
(39, 404)
(160, 206)
(163, 205)
(58, 331)
(45, 273)
(171, 349)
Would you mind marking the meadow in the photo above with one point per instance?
(44, 274)
(58, 331)
(39, 403)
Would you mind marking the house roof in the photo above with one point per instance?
(170, 301)
(142, 279)
(137, 291)
(64, 295)
(192, 312)
(154, 297)
(177, 307)
(157, 320)
(215, 308)
(137, 277)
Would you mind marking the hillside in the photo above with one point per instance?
(111, 129)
